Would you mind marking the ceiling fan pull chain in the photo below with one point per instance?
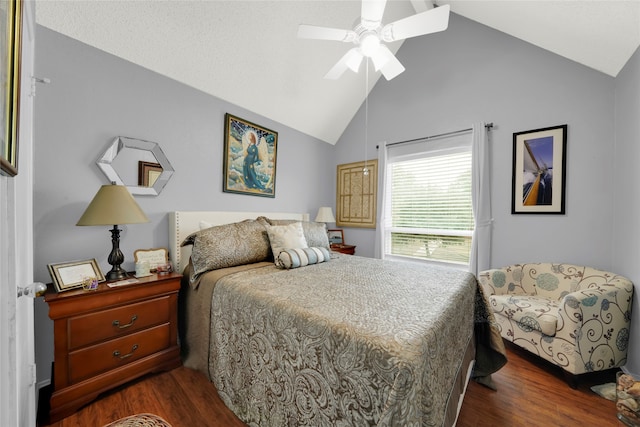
(365, 170)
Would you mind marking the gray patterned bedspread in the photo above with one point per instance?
(350, 342)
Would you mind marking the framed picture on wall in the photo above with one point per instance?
(539, 171)
(10, 54)
(356, 197)
(250, 152)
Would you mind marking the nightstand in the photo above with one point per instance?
(344, 249)
(106, 337)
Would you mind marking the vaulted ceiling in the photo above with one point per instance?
(247, 53)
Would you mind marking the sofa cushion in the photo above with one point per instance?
(531, 313)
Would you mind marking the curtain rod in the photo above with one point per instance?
(488, 126)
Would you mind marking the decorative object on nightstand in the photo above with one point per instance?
(113, 205)
(142, 269)
(72, 275)
(109, 336)
(157, 258)
(336, 236)
(336, 242)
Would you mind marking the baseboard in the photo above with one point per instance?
(43, 384)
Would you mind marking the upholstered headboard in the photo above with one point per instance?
(183, 223)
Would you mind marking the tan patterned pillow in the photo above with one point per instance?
(228, 245)
(316, 234)
(288, 236)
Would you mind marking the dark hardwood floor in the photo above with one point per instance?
(530, 393)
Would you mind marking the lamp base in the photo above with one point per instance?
(116, 257)
(116, 273)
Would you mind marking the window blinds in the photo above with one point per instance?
(429, 212)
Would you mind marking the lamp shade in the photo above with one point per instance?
(113, 204)
(325, 214)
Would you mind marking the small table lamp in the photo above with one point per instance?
(325, 214)
(112, 205)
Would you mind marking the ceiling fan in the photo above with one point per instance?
(370, 34)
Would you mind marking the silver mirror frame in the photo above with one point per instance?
(120, 143)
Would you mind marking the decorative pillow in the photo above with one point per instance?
(228, 245)
(286, 236)
(300, 257)
(314, 232)
(270, 221)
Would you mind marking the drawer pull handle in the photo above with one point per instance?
(124, 356)
(117, 324)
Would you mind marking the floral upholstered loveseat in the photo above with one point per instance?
(573, 316)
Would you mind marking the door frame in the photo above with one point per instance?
(17, 357)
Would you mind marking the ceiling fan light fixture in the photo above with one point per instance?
(369, 44)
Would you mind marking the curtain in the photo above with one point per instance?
(481, 201)
(378, 248)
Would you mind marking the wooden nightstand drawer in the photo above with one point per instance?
(344, 249)
(96, 327)
(90, 361)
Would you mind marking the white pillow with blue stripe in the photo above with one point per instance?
(300, 257)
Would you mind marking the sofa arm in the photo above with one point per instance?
(595, 321)
(496, 282)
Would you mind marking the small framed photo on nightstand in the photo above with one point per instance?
(72, 275)
(155, 258)
(336, 236)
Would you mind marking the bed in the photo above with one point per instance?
(340, 340)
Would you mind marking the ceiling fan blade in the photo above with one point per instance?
(354, 59)
(371, 13)
(351, 60)
(392, 67)
(325, 33)
(381, 56)
(428, 22)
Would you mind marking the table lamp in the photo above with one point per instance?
(325, 214)
(112, 205)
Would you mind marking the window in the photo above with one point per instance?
(428, 204)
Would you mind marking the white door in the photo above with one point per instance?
(17, 366)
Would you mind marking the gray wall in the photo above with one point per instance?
(94, 96)
(471, 73)
(626, 187)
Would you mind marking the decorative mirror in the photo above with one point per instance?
(138, 164)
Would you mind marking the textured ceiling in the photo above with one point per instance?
(247, 52)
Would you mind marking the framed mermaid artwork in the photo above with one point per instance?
(249, 158)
